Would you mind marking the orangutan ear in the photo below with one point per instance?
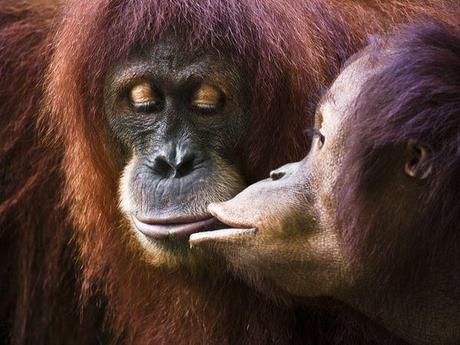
(417, 160)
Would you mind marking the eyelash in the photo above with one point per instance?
(146, 107)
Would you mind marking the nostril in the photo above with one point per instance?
(185, 166)
(162, 167)
(174, 167)
(276, 175)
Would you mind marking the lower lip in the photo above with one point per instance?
(172, 231)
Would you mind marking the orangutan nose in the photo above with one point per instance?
(277, 174)
(177, 166)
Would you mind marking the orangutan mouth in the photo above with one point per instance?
(174, 228)
(233, 230)
(221, 236)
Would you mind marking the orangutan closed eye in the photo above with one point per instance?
(371, 218)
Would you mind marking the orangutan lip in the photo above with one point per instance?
(221, 236)
(228, 221)
(171, 220)
(172, 228)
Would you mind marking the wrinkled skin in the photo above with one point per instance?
(178, 118)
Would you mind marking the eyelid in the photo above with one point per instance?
(206, 93)
(207, 98)
(143, 93)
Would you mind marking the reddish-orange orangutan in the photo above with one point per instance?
(120, 121)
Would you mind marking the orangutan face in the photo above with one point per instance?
(181, 119)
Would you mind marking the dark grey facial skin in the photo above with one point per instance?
(179, 154)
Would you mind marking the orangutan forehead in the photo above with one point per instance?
(175, 50)
(347, 86)
(169, 60)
